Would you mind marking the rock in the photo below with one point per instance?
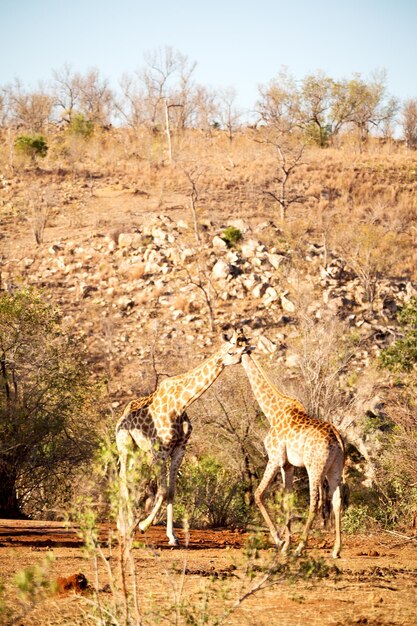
(125, 303)
(86, 290)
(248, 249)
(265, 345)
(233, 257)
(271, 295)
(219, 243)
(129, 240)
(275, 259)
(239, 224)
(220, 269)
(259, 290)
(287, 305)
(292, 360)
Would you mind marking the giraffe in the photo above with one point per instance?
(296, 439)
(159, 424)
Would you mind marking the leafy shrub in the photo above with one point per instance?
(210, 495)
(231, 235)
(397, 493)
(80, 126)
(48, 405)
(355, 519)
(402, 355)
(32, 146)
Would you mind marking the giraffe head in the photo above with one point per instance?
(234, 348)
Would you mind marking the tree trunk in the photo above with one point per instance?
(9, 505)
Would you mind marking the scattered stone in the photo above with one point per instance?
(287, 305)
(220, 269)
(219, 243)
(265, 345)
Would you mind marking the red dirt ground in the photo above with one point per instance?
(376, 583)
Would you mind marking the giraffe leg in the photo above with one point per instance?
(334, 479)
(176, 460)
(287, 473)
(161, 496)
(314, 501)
(269, 475)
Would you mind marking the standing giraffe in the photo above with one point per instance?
(296, 439)
(158, 423)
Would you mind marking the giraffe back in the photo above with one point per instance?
(149, 429)
(306, 440)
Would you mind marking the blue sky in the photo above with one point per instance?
(234, 43)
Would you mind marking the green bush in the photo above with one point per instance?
(401, 356)
(355, 519)
(32, 146)
(48, 405)
(210, 495)
(231, 235)
(80, 126)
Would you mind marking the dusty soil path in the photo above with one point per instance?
(376, 582)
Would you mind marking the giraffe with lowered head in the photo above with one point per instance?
(296, 439)
(159, 424)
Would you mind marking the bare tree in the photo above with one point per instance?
(192, 176)
(88, 95)
(31, 110)
(3, 110)
(197, 271)
(289, 153)
(67, 92)
(324, 354)
(130, 106)
(40, 202)
(229, 114)
(166, 79)
(279, 103)
(367, 250)
(206, 109)
(409, 123)
(96, 98)
(237, 426)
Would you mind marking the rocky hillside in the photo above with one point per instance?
(148, 276)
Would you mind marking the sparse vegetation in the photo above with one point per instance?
(32, 146)
(231, 235)
(401, 356)
(47, 412)
(144, 260)
(211, 496)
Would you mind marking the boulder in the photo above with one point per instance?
(218, 243)
(221, 269)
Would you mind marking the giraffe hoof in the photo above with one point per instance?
(298, 550)
(174, 542)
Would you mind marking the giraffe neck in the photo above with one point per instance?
(264, 389)
(184, 389)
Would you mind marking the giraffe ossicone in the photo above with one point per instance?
(159, 424)
(296, 439)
